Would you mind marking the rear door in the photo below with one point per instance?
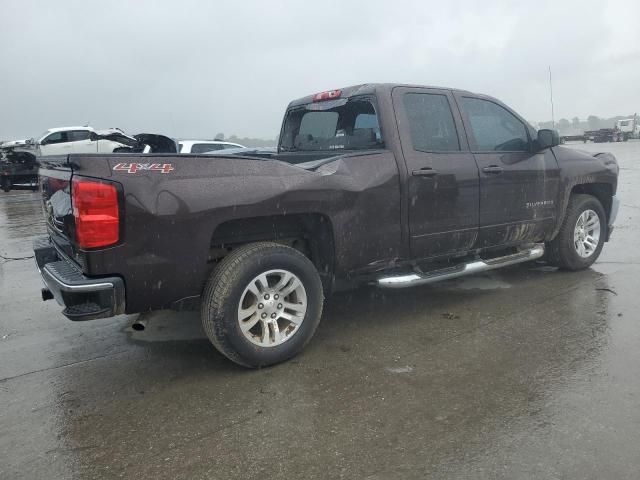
(518, 186)
(442, 178)
(81, 141)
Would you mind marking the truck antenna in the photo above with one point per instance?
(553, 120)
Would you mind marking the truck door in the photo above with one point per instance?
(518, 186)
(442, 176)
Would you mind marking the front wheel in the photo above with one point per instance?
(6, 184)
(581, 237)
(262, 304)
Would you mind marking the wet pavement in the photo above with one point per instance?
(520, 373)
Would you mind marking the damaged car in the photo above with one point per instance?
(67, 140)
(205, 146)
(18, 166)
(380, 184)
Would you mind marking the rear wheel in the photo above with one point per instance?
(262, 304)
(581, 237)
(6, 184)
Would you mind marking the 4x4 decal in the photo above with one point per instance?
(137, 167)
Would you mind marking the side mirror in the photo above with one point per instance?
(548, 138)
(93, 136)
(30, 141)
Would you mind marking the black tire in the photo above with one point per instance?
(561, 251)
(224, 290)
(6, 184)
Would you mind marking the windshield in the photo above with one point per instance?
(333, 125)
(42, 135)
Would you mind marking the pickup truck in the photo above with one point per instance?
(385, 184)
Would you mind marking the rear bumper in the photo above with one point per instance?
(84, 298)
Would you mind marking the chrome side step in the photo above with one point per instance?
(413, 279)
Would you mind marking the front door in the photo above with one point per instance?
(442, 180)
(56, 143)
(518, 186)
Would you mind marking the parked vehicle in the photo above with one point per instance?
(629, 127)
(248, 151)
(66, 140)
(384, 184)
(17, 166)
(603, 135)
(572, 138)
(205, 146)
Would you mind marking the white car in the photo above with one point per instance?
(65, 140)
(205, 146)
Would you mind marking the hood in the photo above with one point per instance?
(605, 159)
(158, 143)
(142, 143)
(115, 135)
(14, 143)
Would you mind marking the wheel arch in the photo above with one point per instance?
(601, 190)
(310, 233)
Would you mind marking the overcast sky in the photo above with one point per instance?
(193, 69)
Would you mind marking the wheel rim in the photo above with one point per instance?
(586, 235)
(272, 308)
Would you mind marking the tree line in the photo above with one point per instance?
(248, 141)
(575, 126)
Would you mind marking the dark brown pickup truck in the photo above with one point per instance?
(394, 185)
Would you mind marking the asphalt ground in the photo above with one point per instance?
(525, 372)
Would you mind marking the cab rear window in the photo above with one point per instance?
(332, 125)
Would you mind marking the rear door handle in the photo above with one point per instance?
(425, 172)
(495, 169)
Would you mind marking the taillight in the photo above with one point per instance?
(330, 95)
(95, 208)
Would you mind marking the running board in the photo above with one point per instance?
(412, 279)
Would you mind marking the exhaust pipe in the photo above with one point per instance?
(46, 294)
(139, 324)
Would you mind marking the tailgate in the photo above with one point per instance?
(55, 186)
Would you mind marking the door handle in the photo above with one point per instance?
(495, 169)
(425, 172)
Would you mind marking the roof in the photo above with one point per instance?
(64, 129)
(370, 89)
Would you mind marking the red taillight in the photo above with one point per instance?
(95, 208)
(330, 95)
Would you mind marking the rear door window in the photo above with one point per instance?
(431, 123)
(78, 135)
(494, 128)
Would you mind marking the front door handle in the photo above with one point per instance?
(494, 169)
(425, 172)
